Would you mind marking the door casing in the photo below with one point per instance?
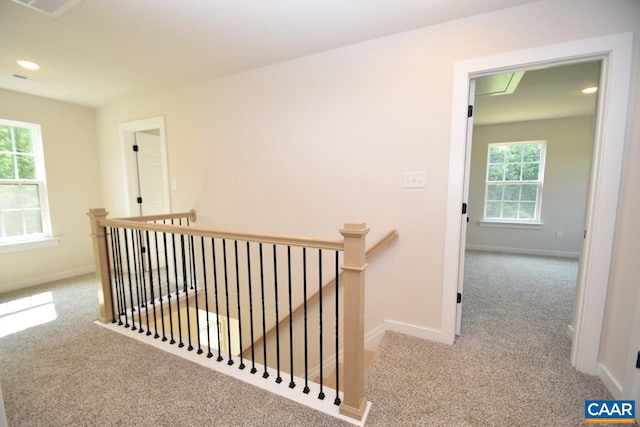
(127, 135)
(616, 53)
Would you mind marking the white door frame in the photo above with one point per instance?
(616, 53)
(127, 137)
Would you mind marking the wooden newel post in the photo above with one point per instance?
(101, 260)
(354, 403)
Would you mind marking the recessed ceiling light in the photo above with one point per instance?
(592, 89)
(28, 65)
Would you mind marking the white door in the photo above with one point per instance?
(146, 167)
(465, 197)
(151, 179)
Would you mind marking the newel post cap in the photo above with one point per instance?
(354, 229)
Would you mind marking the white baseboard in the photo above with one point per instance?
(46, 279)
(612, 384)
(570, 332)
(414, 331)
(524, 251)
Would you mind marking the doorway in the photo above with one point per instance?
(147, 178)
(615, 52)
(531, 150)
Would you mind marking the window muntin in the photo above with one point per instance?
(23, 198)
(515, 172)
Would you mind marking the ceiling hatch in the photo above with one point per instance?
(53, 8)
(498, 84)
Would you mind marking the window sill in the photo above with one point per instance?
(521, 225)
(28, 245)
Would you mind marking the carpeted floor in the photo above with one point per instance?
(509, 368)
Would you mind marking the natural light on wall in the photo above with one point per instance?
(24, 313)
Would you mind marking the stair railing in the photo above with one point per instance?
(154, 264)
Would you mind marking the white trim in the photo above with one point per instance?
(27, 245)
(413, 330)
(612, 384)
(616, 53)
(127, 131)
(502, 224)
(570, 332)
(372, 338)
(310, 400)
(524, 251)
(46, 279)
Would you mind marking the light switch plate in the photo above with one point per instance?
(415, 179)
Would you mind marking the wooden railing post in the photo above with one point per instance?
(354, 403)
(101, 260)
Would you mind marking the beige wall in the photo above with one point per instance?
(73, 183)
(564, 196)
(302, 146)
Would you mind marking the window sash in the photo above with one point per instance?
(24, 213)
(513, 200)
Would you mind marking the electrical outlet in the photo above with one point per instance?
(559, 235)
(415, 179)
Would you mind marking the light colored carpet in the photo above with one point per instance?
(510, 367)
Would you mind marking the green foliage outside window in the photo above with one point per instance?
(514, 180)
(20, 185)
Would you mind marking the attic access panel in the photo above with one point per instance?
(498, 84)
(53, 8)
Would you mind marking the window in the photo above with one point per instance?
(23, 196)
(515, 173)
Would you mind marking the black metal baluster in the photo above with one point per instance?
(321, 394)
(304, 295)
(337, 400)
(155, 317)
(195, 293)
(186, 290)
(226, 293)
(215, 283)
(123, 290)
(112, 279)
(253, 358)
(275, 286)
(117, 266)
(235, 245)
(192, 264)
(136, 263)
(175, 271)
(265, 374)
(206, 295)
(160, 299)
(169, 308)
(143, 281)
(292, 384)
(126, 248)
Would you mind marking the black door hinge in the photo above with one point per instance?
(638, 361)
(464, 208)
(470, 111)
(459, 298)
(139, 199)
(135, 147)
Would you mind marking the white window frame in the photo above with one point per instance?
(537, 219)
(29, 241)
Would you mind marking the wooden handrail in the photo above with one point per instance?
(276, 239)
(371, 252)
(191, 215)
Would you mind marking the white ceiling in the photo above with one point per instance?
(543, 94)
(102, 50)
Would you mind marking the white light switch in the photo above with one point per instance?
(415, 179)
